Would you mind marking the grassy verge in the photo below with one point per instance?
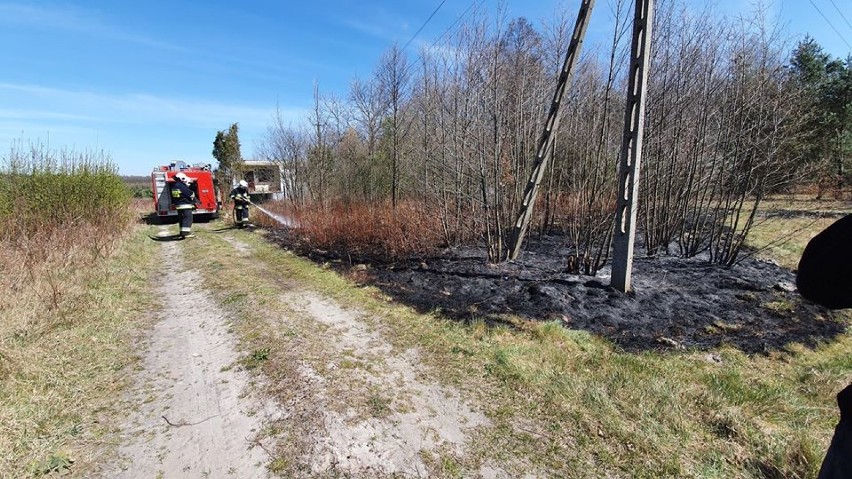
(789, 222)
(64, 364)
(562, 402)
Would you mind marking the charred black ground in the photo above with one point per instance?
(677, 302)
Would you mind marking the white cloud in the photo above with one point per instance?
(25, 114)
(139, 129)
(43, 103)
(372, 29)
(383, 24)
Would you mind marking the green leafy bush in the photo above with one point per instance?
(40, 189)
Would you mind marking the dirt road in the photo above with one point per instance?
(350, 406)
(197, 414)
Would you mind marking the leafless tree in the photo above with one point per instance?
(394, 77)
(286, 146)
(456, 129)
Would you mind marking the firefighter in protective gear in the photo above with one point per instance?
(240, 196)
(184, 201)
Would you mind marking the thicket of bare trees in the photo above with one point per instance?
(455, 131)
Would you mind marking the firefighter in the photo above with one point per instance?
(240, 196)
(184, 200)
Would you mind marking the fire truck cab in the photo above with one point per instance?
(203, 185)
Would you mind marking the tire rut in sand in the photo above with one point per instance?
(195, 417)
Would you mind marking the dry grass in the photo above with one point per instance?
(361, 229)
(65, 335)
(563, 403)
(787, 223)
(66, 298)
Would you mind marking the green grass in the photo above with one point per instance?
(783, 239)
(564, 403)
(256, 358)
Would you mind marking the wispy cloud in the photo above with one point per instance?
(384, 25)
(132, 108)
(73, 19)
(27, 115)
(373, 29)
(137, 128)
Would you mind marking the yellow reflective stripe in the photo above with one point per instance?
(183, 207)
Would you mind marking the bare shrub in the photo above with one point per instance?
(361, 229)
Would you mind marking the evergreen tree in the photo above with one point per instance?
(226, 150)
(826, 89)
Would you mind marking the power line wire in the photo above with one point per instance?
(463, 14)
(424, 25)
(830, 24)
(447, 30)
(841, 14)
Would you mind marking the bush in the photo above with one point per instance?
(358, 229)
(57, 210)
(42, 189)
(143, 192)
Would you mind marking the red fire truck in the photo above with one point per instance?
(203, 184)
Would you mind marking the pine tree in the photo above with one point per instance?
(826, 87)
(226, 150)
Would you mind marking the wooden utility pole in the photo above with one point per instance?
(545, 142)
(631, 148)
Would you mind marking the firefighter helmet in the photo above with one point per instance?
(182, 177)
(243, 183)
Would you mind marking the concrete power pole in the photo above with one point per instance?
(631, 148)
(545, 142)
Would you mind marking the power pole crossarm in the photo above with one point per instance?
(545, 142)
(631, 148)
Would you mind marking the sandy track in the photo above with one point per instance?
(194, 416)
(422, 417)
(366, 408)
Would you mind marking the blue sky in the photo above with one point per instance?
(152, 81)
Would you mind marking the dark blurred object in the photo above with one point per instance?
(838, 459)
(825, 270)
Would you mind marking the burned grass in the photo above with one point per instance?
(677, 303)
(565, 403)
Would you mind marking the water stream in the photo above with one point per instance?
(282, 220)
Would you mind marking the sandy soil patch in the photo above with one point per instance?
(195, 415)
(408, 414)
